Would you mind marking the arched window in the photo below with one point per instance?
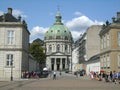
(58, 47)
(66, 38)
(50, 37)
(66, 47)
(58, 37)
(50, 48)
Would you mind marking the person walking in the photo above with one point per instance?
(115, 77)
(111, 76)
(60, 73)
(54, 75)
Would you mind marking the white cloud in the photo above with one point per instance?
(37, 32)
(79, 24)
(19, 12)
(77, 13)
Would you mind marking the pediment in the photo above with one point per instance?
(58, 53)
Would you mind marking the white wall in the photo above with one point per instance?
(95, 67)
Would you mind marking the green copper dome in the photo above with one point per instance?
(58, 31)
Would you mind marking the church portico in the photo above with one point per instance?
(58, 63)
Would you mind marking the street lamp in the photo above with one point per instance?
(11, 78)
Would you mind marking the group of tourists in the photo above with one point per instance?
(32, 74)
(112, 76)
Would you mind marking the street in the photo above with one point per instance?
(63, 82)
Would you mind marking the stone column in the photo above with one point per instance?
(68, 48)
(63, 47)
(55, 64)
(66, 65)
(60, 63)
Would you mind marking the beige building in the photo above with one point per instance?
(110, 45)
(89, 47)
(14, 45)
(89, 43)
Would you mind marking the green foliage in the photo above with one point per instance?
(37, 52)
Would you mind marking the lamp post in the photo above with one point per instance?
(11, 78)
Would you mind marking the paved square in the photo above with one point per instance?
(65, 82)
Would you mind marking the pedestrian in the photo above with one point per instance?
(111, 76)
(119, 77)
(60, 73)
(115, 77)
(54, 75)
(77, 74)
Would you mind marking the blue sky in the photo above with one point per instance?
(77, 15)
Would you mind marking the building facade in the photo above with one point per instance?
(58, 43)
(93, 64)
(110, 45)
(75, 59)
(89, 45)
(14, 45)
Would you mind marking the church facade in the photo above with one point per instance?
(58, 43)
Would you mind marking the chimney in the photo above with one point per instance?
(10, 10)
(118, 15)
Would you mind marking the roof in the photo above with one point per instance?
(58, 30)
(8, 18)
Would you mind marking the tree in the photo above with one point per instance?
(37, 52)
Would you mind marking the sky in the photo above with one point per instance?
(77, 15)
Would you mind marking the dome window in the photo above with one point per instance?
(66, 38)
(50, 37)
(58, 30)
(66, 47)
(51, 30)
(57, 37)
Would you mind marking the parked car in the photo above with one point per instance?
(44, 74)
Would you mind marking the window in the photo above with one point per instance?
(10, 37)
(57, 37)
(58, 47)
(50, 48)
(66, 38)
(108, 40)
(118, 38)
(101, 42)
(66, 47)
(104, 41)
(119, 61)
(63, 60)
(50, 37)
(108, 61)
(58, 30)
(52, 60)
(9, 60)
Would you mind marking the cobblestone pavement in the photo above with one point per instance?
(64, 82)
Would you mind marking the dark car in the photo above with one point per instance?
(44, 74)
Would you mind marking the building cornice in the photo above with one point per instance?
(14, 24)
(13, 49)
(109, 51)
